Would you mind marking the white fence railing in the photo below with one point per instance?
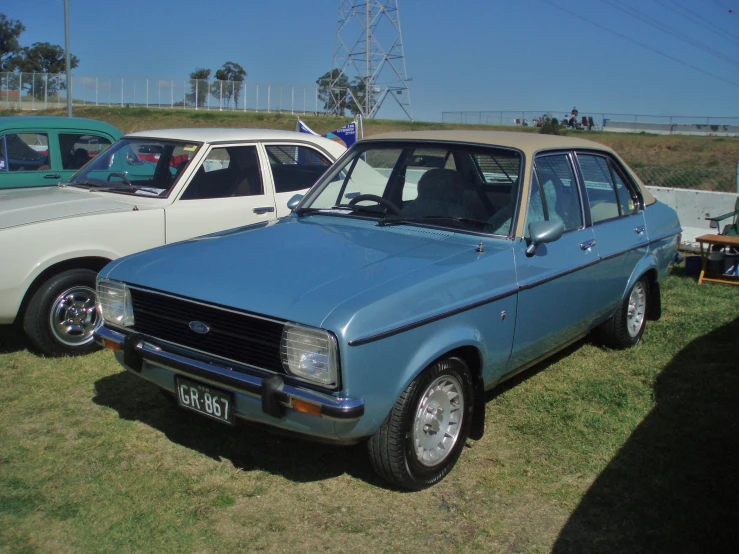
(38, 91)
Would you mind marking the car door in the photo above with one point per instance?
(554, 283)
(618, 226)
(229, 189)
(294, 168)
(26, 159)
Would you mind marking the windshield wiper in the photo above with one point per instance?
(303, 211)
(399, 220)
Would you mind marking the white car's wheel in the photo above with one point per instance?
(61, 316)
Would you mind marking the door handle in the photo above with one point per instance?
(263, 210)
(52, 176)
(587, 244)
(639, 230)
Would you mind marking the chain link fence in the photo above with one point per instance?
(605, 121)
(719, 180)
(39, 91)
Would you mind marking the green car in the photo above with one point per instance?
(46, 150)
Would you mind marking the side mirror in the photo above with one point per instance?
(294, 201)
(542, 232)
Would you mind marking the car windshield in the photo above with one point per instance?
(465, 187)
(147, 167)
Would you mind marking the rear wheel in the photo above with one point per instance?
(626, 326)
(61, 316)
(422, 438)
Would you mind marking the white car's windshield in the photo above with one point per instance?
(137, 166)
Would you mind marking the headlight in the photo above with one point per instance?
(114, 303)
(310, 354)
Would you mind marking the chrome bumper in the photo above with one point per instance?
(276, 395)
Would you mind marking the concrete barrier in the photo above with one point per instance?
(693, 207)
(671, 129)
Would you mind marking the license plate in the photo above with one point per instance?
(205, 400)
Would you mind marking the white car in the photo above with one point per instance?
(148, 189)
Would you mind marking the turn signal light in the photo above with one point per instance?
(307, 407)
(114, 346)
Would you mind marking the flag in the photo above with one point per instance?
(346, 135)
(301, 127)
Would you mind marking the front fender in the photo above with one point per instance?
(29, 250)
(381, 370)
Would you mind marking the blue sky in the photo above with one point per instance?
(461, 54)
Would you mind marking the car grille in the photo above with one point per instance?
(235, 336)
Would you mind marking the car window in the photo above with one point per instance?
(26, 152)
(560, 197)
(626, 200)
(295, 167)
(499, 169)
(78, 149)
(227, 172)
(3, 157)
(536, 210)
(599, 187)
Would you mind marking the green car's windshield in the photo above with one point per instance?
(137, 166)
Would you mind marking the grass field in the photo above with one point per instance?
(637, 149)
(594, 451)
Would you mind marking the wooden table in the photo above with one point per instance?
(719, 240)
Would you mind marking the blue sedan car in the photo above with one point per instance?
(422, 270)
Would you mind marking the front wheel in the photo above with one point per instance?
(626, 326)
(61, 316)
(422, 438)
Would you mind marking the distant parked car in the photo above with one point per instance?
(422, 270)
(44, 150)
(53, 240)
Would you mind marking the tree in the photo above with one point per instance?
(359, 90)
(233, 72)
(332, 91)
(10, 32)
(199, 90)
(46, 62)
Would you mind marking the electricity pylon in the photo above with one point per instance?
(369, 63)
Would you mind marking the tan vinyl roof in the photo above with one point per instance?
(529, 143)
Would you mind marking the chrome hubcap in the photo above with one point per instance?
(73, 316)
(636, 310)
(438, 420)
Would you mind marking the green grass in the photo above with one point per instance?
(638, 149)
(593, 451)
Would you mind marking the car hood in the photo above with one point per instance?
(34, 205)
(297, 269)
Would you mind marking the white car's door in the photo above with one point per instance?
(230, 188)
(294, 168)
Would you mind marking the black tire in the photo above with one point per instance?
(626, 327)
(397, 450)
(61, 315)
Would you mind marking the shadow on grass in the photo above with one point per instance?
(255, 447)
(11, 339)
(247, 447)
(674, 486)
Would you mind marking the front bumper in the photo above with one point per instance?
(262, 399)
